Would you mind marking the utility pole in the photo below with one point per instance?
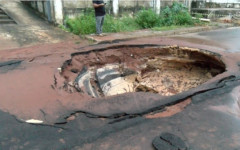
(58, 11)
(189, 5)
(115, 7)
(158, 6)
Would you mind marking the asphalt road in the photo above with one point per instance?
(228, 39)
(29, 90)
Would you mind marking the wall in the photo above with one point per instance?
(51, 10)
(73, 8)
(56, 10)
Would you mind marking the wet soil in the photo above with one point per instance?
(167, 70)
(206, 117)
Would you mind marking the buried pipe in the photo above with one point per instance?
(164, 70)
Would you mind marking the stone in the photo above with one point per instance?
(168, 141)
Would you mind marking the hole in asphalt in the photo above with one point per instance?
(165, 70)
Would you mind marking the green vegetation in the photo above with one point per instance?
(122, 24)
(176, 15)
(147, 19)
(84, 24)
(173, 17)
(198, 16)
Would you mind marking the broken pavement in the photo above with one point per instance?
(205, 117)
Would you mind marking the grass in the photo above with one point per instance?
(86, 24)
(174, 17)
(122, 24)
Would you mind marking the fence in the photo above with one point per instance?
(217, 9)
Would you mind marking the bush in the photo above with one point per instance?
(167, 17)
(183, 18)
(178, 8)
(176, 15)
(147, 19)
(112, 24)
(82, 25)
(198, 17)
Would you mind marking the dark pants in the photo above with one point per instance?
(99, 24)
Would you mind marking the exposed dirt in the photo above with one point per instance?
(29, 91)
(170, 111)
(164, 70)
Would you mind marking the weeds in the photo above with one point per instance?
(124, 23)
(82, 25)
(147, 19)
(176, 15)
(171, 17)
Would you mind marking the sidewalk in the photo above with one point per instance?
(113, 37)
(29, 29)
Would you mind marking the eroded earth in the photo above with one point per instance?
(167, 70)
(139, 94)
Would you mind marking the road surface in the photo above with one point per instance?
(31, 91)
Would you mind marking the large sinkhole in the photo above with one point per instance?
(166, 70)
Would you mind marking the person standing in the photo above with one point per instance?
(99, 7)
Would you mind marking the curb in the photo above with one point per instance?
(150, 33)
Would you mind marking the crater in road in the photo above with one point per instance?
(166, 70)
